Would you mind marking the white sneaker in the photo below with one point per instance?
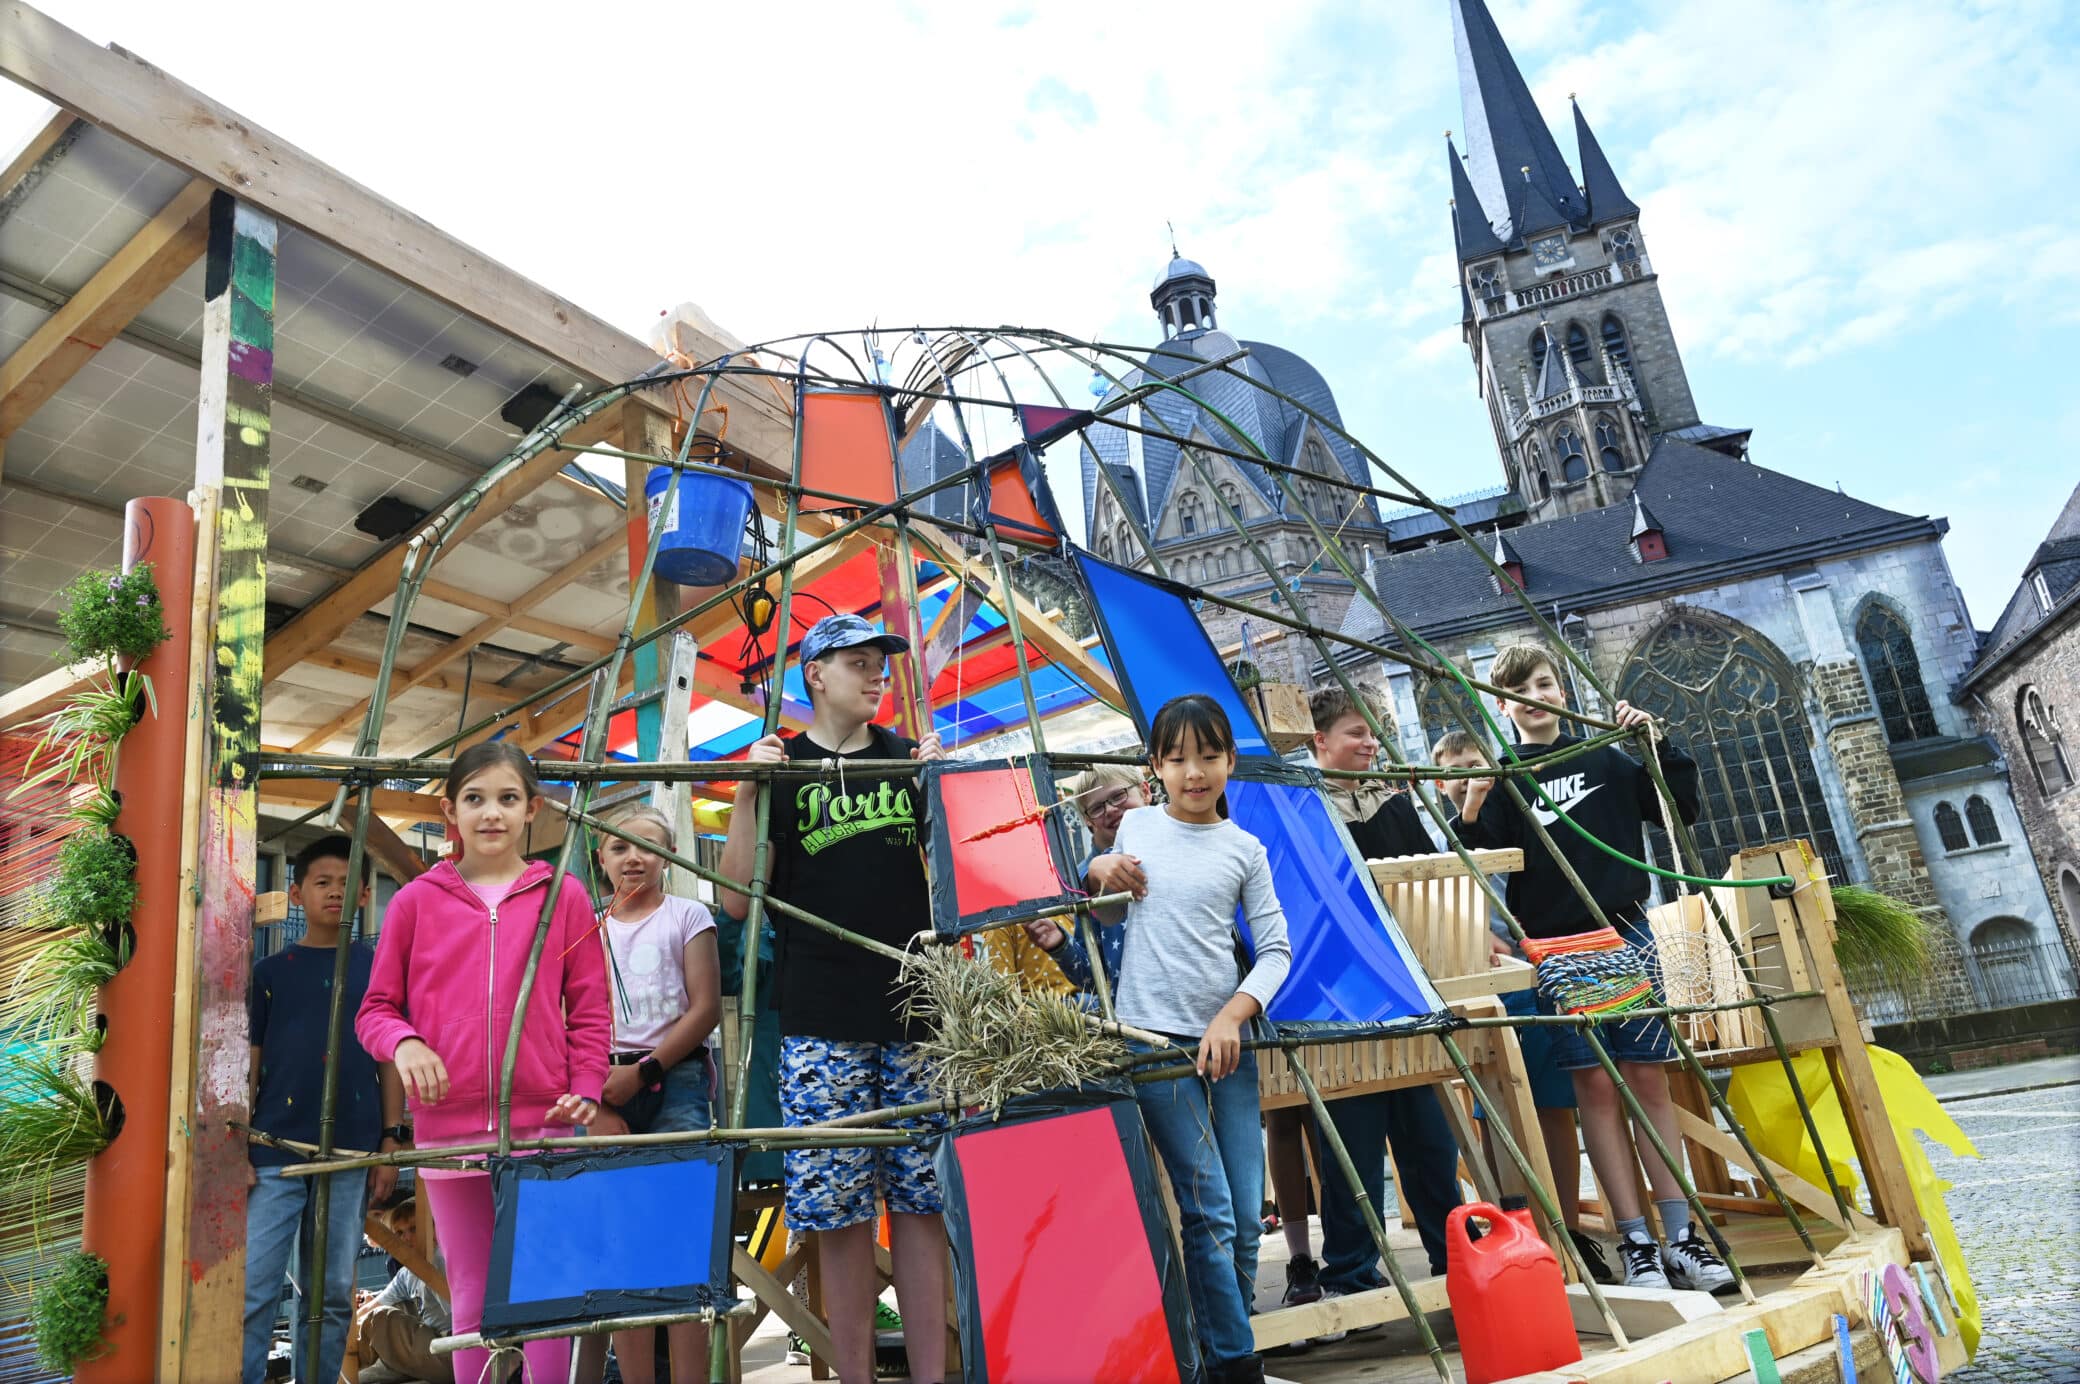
(1329, 1338)
(1693, 1263)
(1642, 1260)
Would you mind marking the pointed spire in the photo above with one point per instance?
(1553, 375)
(1504, 131)
(1503, 553)
(1643, 520)
(1470, 223)
(1607, 200)
(1532, 211)
(1511, 564)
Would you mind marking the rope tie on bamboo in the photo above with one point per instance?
(497, 1358)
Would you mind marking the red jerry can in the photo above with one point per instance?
(1509, 1300)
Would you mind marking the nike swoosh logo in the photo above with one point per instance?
(1546, 817)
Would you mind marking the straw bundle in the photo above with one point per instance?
(989, 1038)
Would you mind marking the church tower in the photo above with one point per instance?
(1563, 314)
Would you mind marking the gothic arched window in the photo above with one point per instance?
(1220, 565)
(1614, 342)
(1435, 704)
(1895, 671)
(1979, 814)
(1607, 449)
(1126, 543)
(1731, 700)
(2041, 738)
(1538, 352)
(1545, 484)
(1578, 347)
(1623, 247)
(1231, 496)
(1105, 547)
(1950, 828)
(1574, 462)
(1191, 515)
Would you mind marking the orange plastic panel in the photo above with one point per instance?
(846, 450)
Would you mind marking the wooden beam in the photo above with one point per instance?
(1049, 637)
(36, 149)
(389, 802)
(390, 850)
(1409, 868)
(509, 615)
(128, 96)
(39, 698)
(125, 284)
(406, 679)
(375, 582)
(1811, 1199)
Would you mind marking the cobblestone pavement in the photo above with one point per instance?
(2017, 1212)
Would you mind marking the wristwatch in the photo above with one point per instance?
(402, 1133)
(650, 1070)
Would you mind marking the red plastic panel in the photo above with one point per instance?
(1011, 500)
(846, 450)
(1000, 854)
(1040, 1196)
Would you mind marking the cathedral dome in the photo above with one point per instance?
(1182, 268)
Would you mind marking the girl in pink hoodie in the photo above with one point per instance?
(440, 1003)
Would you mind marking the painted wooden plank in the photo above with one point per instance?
(232, 450)
(1443, 866)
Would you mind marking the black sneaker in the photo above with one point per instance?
(1591, 1250)
(1303, 1281)
(1642, 1259)
(1693, 1263)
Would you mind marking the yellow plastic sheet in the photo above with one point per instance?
(1762, 1098)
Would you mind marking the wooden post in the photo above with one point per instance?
(231, 456)
(644, 429)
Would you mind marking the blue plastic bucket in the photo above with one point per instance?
(703, 528)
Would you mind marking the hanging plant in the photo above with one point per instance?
(51, 1117)
(61, 985)
(112, 615)
(95, 884)
(70, 1313)
(78, 741)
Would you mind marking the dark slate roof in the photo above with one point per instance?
(1472, 511)
(1708, 435)
(1274, 425)
(2057, 558)
(1722, 519)
(1607, 200)
(930, 455)
(1470, 226)
(1552, 375)
(1504, 131)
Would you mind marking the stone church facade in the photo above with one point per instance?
(1803, 644)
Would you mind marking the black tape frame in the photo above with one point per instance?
(1155, 1225)
(942, 851)
(501, 1314)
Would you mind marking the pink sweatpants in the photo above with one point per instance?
(462, 1222)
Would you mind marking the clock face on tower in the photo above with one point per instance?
(1551, 252)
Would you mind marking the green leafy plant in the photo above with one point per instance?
(95, 884)
(111, 615)
(78, 741)
(50, 1118)
(70, 1313)
(58, 988)
(99, 808)
(1879, 938)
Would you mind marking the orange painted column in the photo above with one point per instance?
(126, 1182)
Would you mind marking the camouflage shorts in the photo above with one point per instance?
(823, 1079)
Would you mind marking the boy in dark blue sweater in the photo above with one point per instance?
(1611, 796)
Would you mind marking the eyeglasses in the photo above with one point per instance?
(1112, 801)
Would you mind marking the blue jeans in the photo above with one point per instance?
(1212, 1146)
(1426, 1161)
(281, 1216)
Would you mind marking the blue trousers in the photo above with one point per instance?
(281, 1217)
(1212, 1146)
(1426, 1161)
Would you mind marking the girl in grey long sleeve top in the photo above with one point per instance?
(1189, 870)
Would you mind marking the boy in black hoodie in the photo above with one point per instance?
(1612, 796)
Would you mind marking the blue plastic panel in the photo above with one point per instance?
(1351, 964)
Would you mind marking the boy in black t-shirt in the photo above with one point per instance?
(1610, 795)
(846, 846)
(288, 1015)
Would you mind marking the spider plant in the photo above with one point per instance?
(51, 1117)
(70, 1313)
(78, 741)
(57, 989)
(99, 808)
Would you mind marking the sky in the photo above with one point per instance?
(1861, 211)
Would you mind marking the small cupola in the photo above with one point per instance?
(1649, 544)
(1512, 566)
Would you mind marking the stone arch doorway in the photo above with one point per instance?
(1733, 702)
